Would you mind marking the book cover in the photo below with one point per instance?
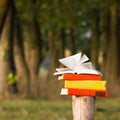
(84, 92)
(86, 84)
(79, 77)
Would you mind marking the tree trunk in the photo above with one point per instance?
(105, 40)
(54, 54)
(32, 56)
(119, 46)
(61, 42)
(32, 44)
(4, 8)
(113, 55)
(21, 67)
(95, 38)
(5, 56)
(72, 42)
(56, 45)
(112, 62)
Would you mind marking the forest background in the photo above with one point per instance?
(34, 34)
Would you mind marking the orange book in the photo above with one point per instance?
(84, 92)
(79, 77)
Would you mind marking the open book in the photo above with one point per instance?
(78, 64)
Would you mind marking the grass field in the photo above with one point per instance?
(106, 109)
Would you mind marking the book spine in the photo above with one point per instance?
(79, 77)
(84, 92)
(95, 85)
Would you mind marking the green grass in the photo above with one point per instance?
(106, 109)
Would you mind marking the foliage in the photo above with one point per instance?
(12, 78)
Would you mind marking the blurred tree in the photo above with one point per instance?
(113, 56)
(5, 47)
(95, 40)
(20, 64)
(32, 42)
(41, 28)
(105, 37)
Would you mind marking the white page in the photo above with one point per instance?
(71, 61)
(76, 64)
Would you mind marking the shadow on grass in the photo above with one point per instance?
(106, 110)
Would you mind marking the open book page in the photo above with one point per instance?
(72, 61)
(76, 64)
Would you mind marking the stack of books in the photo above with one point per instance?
(83, 85)
(80, 77)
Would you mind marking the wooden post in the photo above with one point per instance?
(83, 107)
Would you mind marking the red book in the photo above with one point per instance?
(84, 92)
(79, 77)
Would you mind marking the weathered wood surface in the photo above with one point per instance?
(83, 108)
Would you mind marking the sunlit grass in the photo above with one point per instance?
(105, 109)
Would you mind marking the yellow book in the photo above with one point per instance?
(94, 85)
